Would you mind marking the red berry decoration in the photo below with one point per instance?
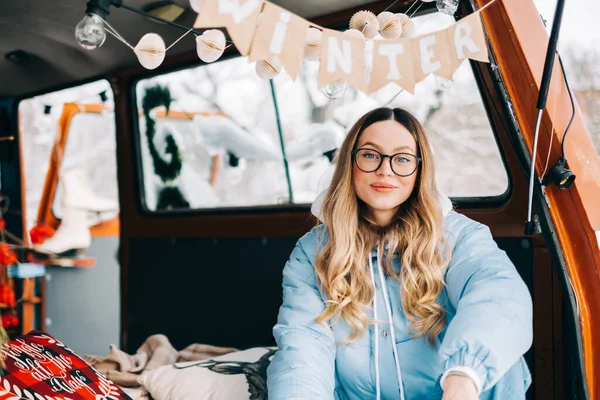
(40, 233)
(7, 295)
(6, 321)
(7, 256)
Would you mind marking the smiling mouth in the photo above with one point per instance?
(383, 187)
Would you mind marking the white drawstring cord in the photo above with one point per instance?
(377, 388)
(391, 322)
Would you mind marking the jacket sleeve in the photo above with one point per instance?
(303, 367)
(493, 325)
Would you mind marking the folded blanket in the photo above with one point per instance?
(124, 369)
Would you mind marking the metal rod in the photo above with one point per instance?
(541, 105)
(532, 167)
(281, 142)
(550, 55)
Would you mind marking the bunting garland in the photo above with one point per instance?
(273, 36)
(375, 51)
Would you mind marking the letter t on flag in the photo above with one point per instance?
(281, 34)
(392, 63)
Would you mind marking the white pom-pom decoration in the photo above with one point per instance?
(408, 26)
(390, 26)
(355, 32)
(150, 50)
(268, 69)
(210, 45)
(196, 5)
(365, 22)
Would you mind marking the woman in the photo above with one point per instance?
(396, 296)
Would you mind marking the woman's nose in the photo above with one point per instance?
(385, 168)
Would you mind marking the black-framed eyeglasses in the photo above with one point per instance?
(402, 164)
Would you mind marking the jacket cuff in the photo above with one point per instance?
(462, 359)
(464, 371)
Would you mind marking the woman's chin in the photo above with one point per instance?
(383, 206)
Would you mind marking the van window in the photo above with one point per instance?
(84, 116)
(219, 146)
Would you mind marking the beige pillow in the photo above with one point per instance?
(234, 376)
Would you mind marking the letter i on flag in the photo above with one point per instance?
(281, 34)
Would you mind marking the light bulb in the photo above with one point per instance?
(90, 32)
(447, 7)
(335, 90)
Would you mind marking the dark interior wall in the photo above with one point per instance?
(225, 291)
(220, 291)
(10, 166)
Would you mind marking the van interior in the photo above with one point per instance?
(185, 187)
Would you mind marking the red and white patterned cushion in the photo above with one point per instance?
(40, 367)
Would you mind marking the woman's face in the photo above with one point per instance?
(382, 190)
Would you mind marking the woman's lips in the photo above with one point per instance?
(382, 187)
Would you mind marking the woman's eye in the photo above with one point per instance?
(370, 156)
(401, 159)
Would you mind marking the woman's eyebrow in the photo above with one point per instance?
(370, 144)
(405, 147)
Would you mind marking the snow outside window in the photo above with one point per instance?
(89, 154)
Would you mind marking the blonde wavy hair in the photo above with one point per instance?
(415, 233)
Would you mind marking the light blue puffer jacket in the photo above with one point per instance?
(489, 328)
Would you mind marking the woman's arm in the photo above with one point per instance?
(493, 325)
(303, 367)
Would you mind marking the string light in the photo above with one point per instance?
(447, 7)
(335, 90)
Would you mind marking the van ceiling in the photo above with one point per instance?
(44, 30)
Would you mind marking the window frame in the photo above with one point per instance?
(472, 202)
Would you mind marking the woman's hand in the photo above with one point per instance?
(459, 387)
